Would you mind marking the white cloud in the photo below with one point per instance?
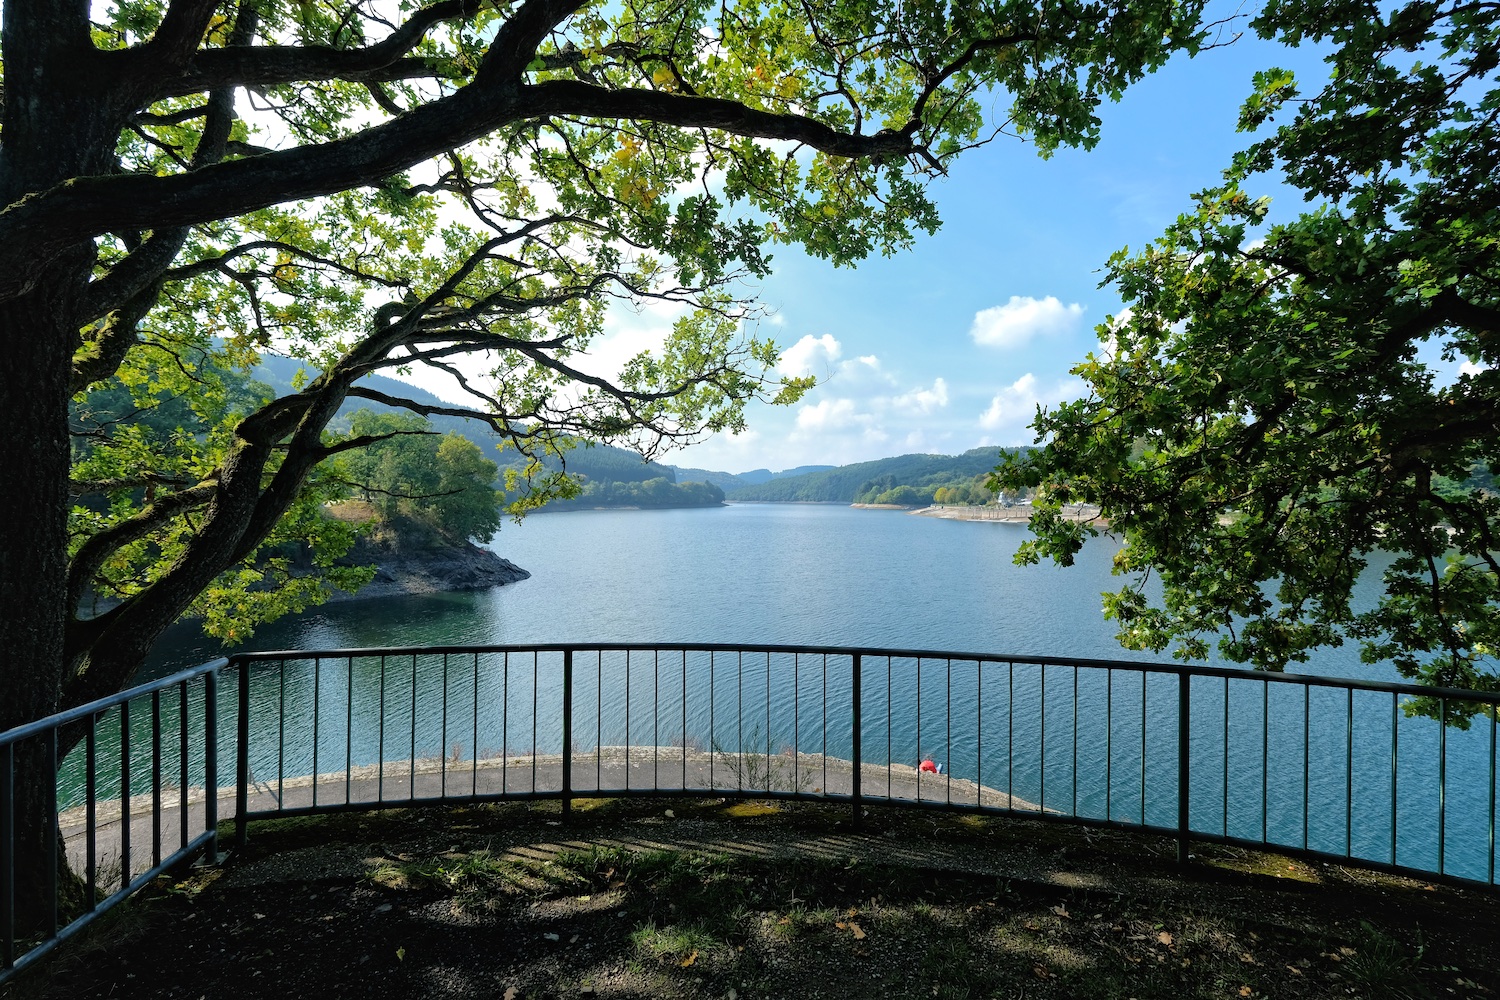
(810, 356)
(1472, 367)
(1014, 407)
(921, 402)
(829, 415)
(1023, 318)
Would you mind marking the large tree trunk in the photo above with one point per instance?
(35, 365)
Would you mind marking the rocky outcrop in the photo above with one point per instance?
(402, 568)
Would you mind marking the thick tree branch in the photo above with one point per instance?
(243, 65)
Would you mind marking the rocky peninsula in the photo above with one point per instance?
(406, 567)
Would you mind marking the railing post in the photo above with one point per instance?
(567, 734)
(242, 757)
(8, 856)
(211, 763)
(857, 752)
(1184, 703)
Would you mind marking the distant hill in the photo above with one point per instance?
(866, 481)
(732, 481)
(596, 463)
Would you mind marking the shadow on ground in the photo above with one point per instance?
(708, 899)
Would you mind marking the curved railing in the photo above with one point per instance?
(1322, 767)
(1353, 772)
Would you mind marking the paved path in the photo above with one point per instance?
(608, 770)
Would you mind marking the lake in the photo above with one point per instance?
(749, 573)
(835, 575)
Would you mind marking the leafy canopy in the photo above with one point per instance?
(1265, 423)
(373, 186)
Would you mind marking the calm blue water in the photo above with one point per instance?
(1265, 761)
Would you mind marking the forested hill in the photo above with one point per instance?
(595, 463)
(729, 481)
(868, 481)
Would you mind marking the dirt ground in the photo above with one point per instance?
(716, 899)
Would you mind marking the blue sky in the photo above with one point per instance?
(952, 344)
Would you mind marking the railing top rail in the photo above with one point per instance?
(1137, 666)
(110, 701)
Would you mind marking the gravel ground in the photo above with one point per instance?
(700, 899)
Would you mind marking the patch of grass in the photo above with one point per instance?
(466, 875)
(1384, 969)
(677, 944)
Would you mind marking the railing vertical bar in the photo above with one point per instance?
(1010, 734)
(889, 698)
(349, 729)
(1224, 787)
(210, 767)
(1109, 744)
(1184, 761)
(1349, 772)
(281, 737)
(474, 736)
(156, 777)
(920, 757)
(598, 718)
(627, 720)
(1306, 757)
(183, 730)
(380, 750)
(504, 725)
(1395, 752)
(856, 724)
(1144, 678)
(1265, 760)
(443, 739)
(1042, 743)
(713, 746)
(979, 732)
(948, 729)
(739, 716)
(656, 719)
(52, 837)
(567, 734)
(1075, 739)
(8, 853)
(90, 811)
(567, 709)
(825, 723)
(317, 700)
(411, 762)
(242, 757)
(1494, 720)
(125, 817)
(1442, 817)
(684, 719)
(768, 732)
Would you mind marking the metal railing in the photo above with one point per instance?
(1323, 768)
(137, 796)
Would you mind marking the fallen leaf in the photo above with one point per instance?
(400, 954)
(1165, 937)
(859, 934)
(511, 993)
(1033, 927)
(1040, 971)
(690, 959)
(1248, 958)
(1061, 911)
(1294, 970)
(1245, 991)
